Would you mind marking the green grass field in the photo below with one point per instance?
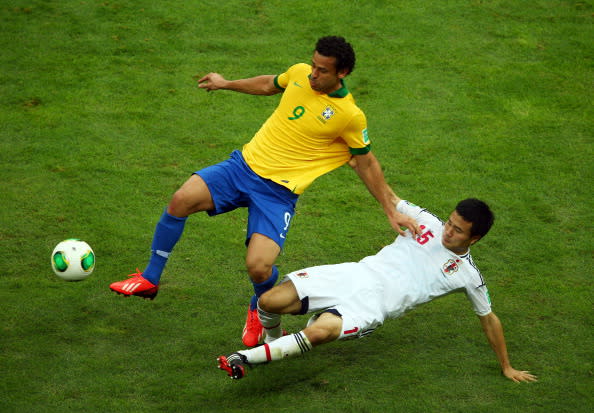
(100, 121)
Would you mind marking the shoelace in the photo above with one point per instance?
(253, 316)
(137, 273)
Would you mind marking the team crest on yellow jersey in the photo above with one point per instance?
(328, 112)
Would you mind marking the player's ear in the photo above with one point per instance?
(474, 239)
(342, 73)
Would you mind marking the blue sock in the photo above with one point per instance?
(168, 231)
(262, 287)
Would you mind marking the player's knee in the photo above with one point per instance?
(274, 301)
(282, 299)
(258, 270)
(179, 204)
(267, 302)
(326, 328)
(320, 334)
(193, 196)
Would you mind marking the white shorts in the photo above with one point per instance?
(344, 288)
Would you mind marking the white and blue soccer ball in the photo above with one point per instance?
(73, 260)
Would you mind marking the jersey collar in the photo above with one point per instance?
(340, 93)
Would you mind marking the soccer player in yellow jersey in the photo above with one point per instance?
(317, 127)
(310, 133)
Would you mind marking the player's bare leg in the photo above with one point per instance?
(282, 299)
(193, 196)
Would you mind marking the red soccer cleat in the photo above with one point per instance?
(253, 330)
(136, 285)
(234, 364)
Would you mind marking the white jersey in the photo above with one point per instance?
(401, 276)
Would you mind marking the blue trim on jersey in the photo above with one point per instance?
(304, 306)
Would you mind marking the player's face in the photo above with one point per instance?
(456, 235)
(324, 78)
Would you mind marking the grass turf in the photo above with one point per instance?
(101, 122)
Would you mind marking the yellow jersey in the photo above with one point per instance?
(309, 133)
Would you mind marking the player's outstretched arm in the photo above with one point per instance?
(259, 85)
(494, 332)
(370, 171)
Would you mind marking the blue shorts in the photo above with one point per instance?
(233, 184)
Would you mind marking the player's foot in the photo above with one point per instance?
(234, 364)
(136, 285)
(253, 330)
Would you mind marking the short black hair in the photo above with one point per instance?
(339, 48)
(478, 213)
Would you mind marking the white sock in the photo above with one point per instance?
(286, 346)
(271, 323)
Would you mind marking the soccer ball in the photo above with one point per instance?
(73, 260)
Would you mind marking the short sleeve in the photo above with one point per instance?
(410, 209)
(356, 136)
(479, 297)
(282, 81)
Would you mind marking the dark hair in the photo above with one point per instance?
(337, 47)
(478, 213)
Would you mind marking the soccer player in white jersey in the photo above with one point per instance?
(351, 300)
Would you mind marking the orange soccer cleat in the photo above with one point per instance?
(136, 285)
(253, 330)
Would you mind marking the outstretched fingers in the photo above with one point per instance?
(520, 376)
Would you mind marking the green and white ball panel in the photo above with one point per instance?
(73, 260)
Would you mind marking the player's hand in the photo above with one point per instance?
(400, 221)
(212, 81)
(519, 376)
